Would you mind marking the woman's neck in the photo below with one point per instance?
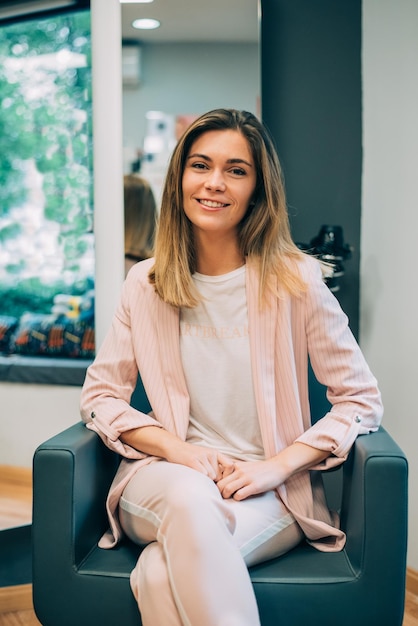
(218, 257)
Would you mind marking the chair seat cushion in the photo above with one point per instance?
(117, 562)
(305, 565)
(302, 565)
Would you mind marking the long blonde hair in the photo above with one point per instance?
(263, 234)
(140, 217)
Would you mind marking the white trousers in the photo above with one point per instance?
(193, 570)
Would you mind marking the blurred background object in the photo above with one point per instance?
(140, 219)
(329, 247)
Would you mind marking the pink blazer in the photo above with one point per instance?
(144, 337)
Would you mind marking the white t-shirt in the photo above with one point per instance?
(215, 352)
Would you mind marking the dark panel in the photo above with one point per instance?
(311, 102)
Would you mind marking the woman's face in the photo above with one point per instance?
(219, 181)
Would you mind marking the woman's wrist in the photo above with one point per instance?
(152, 440)
(298, 457)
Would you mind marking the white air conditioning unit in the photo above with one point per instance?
(131, 65)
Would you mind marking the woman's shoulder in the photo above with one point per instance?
(314, 274)
(137, 280)
(306, 267)
(139, 271)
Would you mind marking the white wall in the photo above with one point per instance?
(389, 295)
(31, 414)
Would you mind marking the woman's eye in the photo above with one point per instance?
(199, 166)
(238, 171)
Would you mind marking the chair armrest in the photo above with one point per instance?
(72, 473)
(374, 508)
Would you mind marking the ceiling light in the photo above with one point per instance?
(135, 1)
(146, 24)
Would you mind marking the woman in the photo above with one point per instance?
(220, 325)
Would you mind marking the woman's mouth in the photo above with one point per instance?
(211, 204)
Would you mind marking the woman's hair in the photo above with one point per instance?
(140, 217)
(263, 234)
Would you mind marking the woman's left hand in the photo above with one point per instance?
(251, 477)
(242, 479)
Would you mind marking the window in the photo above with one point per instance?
(46, 204)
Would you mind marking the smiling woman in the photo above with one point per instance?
(220, 325)
(218, 185)
(260, 232)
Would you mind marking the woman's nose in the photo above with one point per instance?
(215, 181)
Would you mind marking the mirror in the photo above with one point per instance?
(205, 55)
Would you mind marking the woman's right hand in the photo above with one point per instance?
(159, 442)
(204, 460)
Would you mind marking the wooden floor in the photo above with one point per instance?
(16, 509)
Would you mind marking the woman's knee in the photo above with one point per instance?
(191, 489)
(177, 495)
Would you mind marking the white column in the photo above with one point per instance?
(108, 159)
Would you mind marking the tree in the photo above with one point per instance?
(45, 120)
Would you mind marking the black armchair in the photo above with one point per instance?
(77, 583)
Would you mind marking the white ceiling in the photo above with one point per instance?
(194, 20)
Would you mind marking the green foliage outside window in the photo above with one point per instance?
(46, 214)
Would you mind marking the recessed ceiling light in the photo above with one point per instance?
(146, 24)
(135, 1)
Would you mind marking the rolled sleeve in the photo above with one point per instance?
(109, 384)
(333, 435)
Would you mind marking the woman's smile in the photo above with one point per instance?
(211, 204)
(218, 182)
